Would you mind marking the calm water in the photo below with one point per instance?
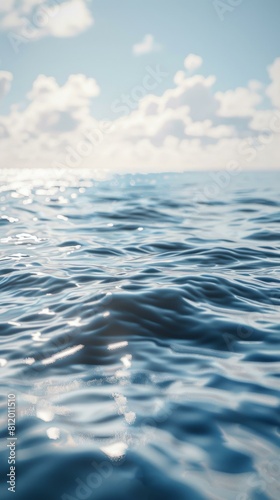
(140, 334)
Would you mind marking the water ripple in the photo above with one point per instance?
(140, 333)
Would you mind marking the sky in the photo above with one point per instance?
(130, 85)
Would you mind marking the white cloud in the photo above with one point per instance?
(5, 82)
(147, 45)
(193, 62)
(255, 85)
(239, 102)
(59, 109)
(33, 19)
(206, 129)
(52, 112)
(72, 18)
(194, 92)
(188, 126)
(261, 120)
(273, 90)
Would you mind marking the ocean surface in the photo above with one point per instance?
(140, 335)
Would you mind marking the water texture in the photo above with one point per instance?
(140, 334)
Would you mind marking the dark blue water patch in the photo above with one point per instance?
(265, 235)
(257, 201)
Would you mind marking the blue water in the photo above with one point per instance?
(140, 334)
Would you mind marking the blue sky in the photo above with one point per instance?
(236, 49)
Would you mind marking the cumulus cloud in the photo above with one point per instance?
(33, 19)
(187, 126)
(238, 102)
(255, 85)
(194, 92)
(5, 82)
(73, 17)
(52, 115)
(146, 46)
(193, 62)
(55, 108)
(265, 120)
(273, 90)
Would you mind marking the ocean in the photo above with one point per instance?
(140, 328)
